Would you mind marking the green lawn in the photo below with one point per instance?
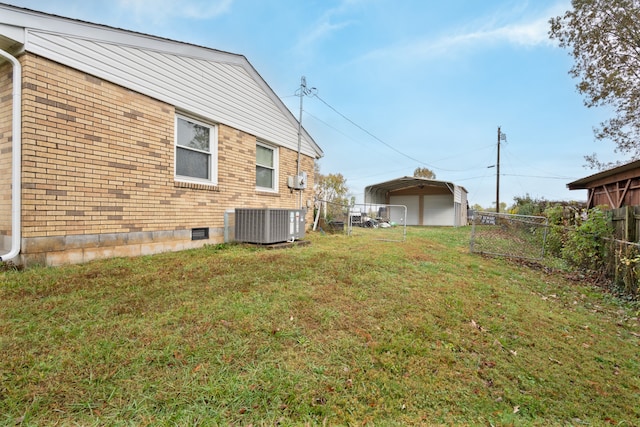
(343, 331)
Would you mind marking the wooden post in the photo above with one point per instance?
(629, 224)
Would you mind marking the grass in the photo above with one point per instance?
(344, 331)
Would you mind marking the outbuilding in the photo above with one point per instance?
(428, 201)
(615, 187)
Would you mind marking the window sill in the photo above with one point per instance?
(267, 193)
(196, 186)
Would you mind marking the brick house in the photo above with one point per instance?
(122, 144)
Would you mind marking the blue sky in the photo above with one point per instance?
(426, 82)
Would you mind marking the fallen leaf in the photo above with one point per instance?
(555, 361)
(516, 409)
(477, 326)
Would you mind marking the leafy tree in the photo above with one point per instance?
(331, 188)
(424, 173)
(503, 206)
(526, 205)
(604, 39)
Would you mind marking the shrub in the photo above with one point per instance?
(586, 248)
(558, 231)
(627, 270)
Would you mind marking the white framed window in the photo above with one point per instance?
(266, 167)
(196, 151)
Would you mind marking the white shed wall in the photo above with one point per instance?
(413, 205)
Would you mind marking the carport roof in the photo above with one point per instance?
(377, 193)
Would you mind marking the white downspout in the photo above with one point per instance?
(16, 158)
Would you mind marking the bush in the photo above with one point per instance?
(627, 270)
(586, 248)
(558, 231)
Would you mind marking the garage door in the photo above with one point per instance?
(438, 210)
(413, 208)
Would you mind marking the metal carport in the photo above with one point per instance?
(428, 201)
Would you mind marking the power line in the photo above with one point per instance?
(563, 178)
(380, 140)
(509, 154)
(332, 127)
(315, 94)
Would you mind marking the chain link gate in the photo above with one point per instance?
(515, 236)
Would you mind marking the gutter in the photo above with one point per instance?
(16, 158)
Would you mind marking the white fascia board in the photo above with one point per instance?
(13, 34)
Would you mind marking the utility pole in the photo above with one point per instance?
(501, 137)
(302, 90)
(301, 93)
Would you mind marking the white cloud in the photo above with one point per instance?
(529, 32)
(327, 24)
(163, 10)
(320, 31)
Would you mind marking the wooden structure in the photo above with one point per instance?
(626, 223)
(615, 188)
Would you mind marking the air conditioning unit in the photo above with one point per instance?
(297, 182)
(267, 226)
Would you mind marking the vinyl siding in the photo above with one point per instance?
(224, 92)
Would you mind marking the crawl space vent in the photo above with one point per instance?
(199, 233)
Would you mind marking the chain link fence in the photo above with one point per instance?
(380, 222)
(515, 236)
